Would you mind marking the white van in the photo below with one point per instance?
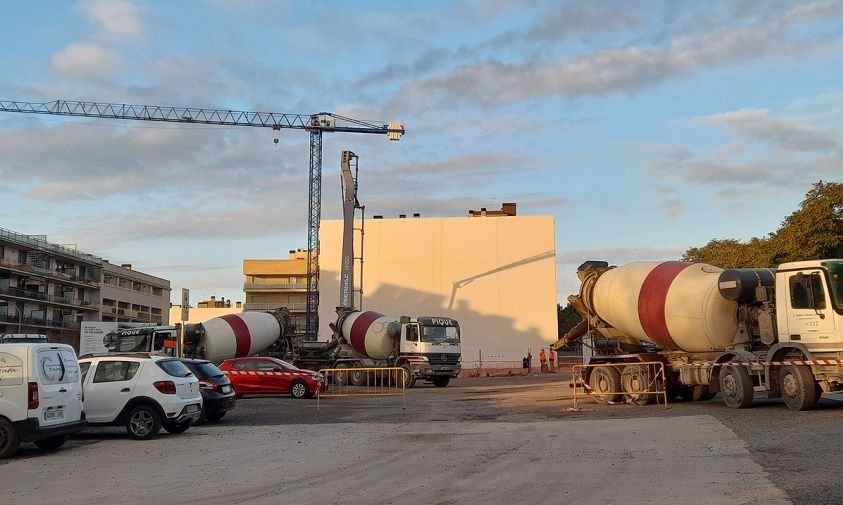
(40, 395)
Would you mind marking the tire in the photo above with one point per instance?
(605, 384)
(176, 428)
(143, 422)
(736, 386)
(298, 390)
(409, 380)
(637, 385)
(799, 389)
(216, 416)
(9, 441)
(357, 378)
(441, 382)
(341, 376)
(701, 394)
(52, 443)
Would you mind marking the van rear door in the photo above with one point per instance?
(57, 379)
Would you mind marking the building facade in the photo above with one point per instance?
(494, 272)
(274, 283)
(205, 310)
(129, 296)
(47, 288)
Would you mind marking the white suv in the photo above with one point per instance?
(143, 392)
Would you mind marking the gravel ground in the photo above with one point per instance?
(499, 440)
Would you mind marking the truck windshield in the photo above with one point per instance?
(441, 334)
(835, 275)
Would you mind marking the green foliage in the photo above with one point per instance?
(814, 231)
(566, 318)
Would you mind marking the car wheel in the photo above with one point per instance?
(177, 427)
(298, 389)
(9, 441)
(52, 443)
(799, 389)
(216, 416)
(143, 422)
(441, 382)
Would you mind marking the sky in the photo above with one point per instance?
(643, 127)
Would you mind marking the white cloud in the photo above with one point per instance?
(789, 134)
(85, 61)
(116, 17)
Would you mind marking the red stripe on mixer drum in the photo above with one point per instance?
(651, 302)
(359, 328)
(242, 337)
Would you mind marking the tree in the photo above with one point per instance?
(566, 318)
(814, 231)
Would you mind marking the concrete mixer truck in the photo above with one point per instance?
(428, 348)
(220, 338)
(738, 332)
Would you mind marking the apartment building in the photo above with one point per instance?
(274, 283)
(129, 296)
(47, 288)
(205, 310)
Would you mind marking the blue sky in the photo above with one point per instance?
(644, 127)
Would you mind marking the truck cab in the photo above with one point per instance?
(809, 305)
(438, 340)
(150, 339)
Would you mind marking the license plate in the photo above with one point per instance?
(52, 415)
(192, 408)
(226, 389)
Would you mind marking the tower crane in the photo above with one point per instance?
(315, 124)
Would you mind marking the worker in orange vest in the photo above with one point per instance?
(543, 360)
(552, 360)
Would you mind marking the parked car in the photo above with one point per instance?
(40, 395)
(218, 396)
(143, 392)
(259, 375)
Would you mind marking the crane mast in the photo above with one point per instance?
(316, 124)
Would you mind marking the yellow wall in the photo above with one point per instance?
(496, 275)
(197, 315)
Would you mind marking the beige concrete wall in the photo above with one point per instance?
(496, 275)
(196, 315)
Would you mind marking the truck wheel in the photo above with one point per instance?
(637, 385)
(441, 382)
(736, 386)
(799, 389)
(701, 394)
(357, 378)
(143, 422)
(9, 441)
(341, 376)
(298, 390)
(52, 443)
(605, 384)
(409, 380)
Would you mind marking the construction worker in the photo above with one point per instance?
(552, 360)
(543, 360)
(529, 362)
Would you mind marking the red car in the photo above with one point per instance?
(271, 376)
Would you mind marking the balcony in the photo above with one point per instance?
(25, 294)
(42, 245)
(292, 307)
(283, 286)
(86, 281)
(14, 319)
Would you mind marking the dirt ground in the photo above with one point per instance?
(499, 440)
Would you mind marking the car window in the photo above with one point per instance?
(71, 365)
(115, 371)
(245, 364)
(174, 367)
(206, 370)
(267, 365)
(83, 369)
(51, 368)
